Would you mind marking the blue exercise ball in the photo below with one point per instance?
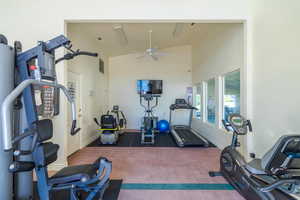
(163, 126)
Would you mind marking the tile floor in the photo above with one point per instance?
(160, 165)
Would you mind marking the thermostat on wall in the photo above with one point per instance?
(91, 93)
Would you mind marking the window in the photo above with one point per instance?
(211, 101)
(232, 91)
(198, 101)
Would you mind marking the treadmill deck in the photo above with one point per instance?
(188, 138)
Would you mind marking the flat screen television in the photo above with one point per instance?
(149, 87)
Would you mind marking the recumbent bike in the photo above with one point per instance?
(111, 125)
(275, 176)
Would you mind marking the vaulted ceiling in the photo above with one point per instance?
(137, 35)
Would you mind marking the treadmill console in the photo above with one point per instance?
(180, 101)
(181, 104)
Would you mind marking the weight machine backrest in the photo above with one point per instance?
(44, 129)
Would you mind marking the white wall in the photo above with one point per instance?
(32, 20)
(219, 52)
(174, 69)
(94, 84)
(274, 36)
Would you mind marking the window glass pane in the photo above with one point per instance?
(232, 93)
(198, 101)
(211, 101)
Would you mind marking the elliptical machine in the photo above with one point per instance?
(149, 121)
(275, 176)
(111, 125)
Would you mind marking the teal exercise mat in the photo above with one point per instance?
(177, 186)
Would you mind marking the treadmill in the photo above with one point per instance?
(184, 135)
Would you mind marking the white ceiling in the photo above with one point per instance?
(137, 35)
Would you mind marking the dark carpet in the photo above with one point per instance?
(111, 193)
(134, 140)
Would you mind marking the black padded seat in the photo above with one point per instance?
(50, 152)
(254, 166)
(75, 173)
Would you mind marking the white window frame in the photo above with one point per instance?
(222, 95)
(220, 101)
(219, 98)
(195, 89)
(204, 107)
(205, 102)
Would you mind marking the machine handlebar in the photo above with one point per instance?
(249, 125)
(86, 53)
(73, 54)
(226, 125)
(74, 130)
(238, 124)
(7, 103)
(279, 183)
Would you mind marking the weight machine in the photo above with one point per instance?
(24, 133)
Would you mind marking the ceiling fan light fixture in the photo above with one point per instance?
(151, 52)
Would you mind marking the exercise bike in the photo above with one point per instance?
(111, 125)
(275, 176)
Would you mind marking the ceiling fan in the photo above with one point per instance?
(151, 51)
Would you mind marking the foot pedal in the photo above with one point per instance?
(214, 174)
(147, 138)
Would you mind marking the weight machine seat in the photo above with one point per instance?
(75, 173)
(254, 166)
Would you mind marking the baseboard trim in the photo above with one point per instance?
(87, 141)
